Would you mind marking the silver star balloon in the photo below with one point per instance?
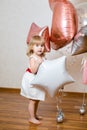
(79, 44)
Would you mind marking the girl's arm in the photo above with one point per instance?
(34, 65)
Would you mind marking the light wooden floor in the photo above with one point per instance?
(14, 114)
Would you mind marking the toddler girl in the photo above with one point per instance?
(36, 54)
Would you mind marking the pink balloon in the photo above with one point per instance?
(44, 32)
(64, 23)
(84, 75)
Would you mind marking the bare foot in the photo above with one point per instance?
(39, 117)
(34, 121)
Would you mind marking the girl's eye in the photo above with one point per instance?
(42, 45)
(37, 45)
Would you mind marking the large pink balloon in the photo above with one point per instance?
(41, 31)
(64, 23)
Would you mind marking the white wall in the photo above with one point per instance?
(16, 16)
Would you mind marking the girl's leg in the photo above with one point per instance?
(36, 107)
(31, 109)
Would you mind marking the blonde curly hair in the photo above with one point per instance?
(34, 40)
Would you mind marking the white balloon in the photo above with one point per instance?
(52, 75)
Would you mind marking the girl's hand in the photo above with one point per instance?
(40, 61)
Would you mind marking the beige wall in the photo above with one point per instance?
(15, 19)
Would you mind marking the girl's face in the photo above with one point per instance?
(38, 49)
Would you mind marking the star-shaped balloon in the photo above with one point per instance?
(52, 75)
(64, 23)
(79, 44)
(41, 31)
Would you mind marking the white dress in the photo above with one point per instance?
(28, 91)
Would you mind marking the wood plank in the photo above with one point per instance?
(14, 114)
